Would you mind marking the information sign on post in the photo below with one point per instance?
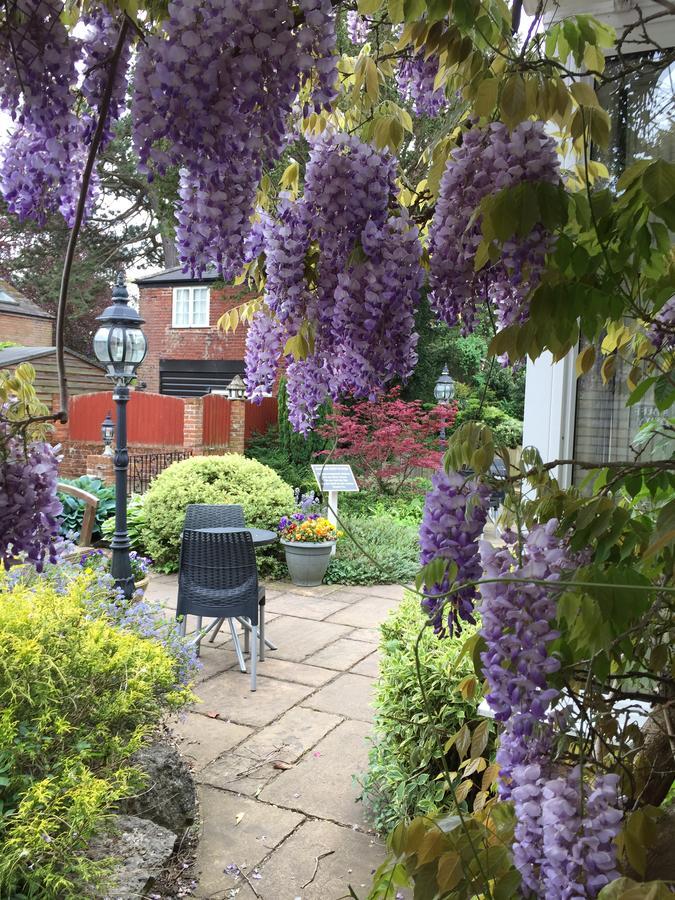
(332, 479)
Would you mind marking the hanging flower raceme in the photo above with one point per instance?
(213, 92)
(661, 332)
(357, 27)
(265, 340)
(98, 45)
(415, 78)
(487, 161)
(29, 507)
(559, 852)
(360, 304)
(455, 512)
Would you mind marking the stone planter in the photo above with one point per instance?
(307, 563)
(142, 584)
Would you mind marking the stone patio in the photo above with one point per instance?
(275, 768)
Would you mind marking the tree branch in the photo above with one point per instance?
(104, 106)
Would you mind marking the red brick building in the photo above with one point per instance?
(187, 354)
(21, 320)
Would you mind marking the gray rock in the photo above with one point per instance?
(141, 849)
(169, 798)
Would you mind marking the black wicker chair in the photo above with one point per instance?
(207, 515)
(218, 579)
(224, 515)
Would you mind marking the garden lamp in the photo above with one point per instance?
(121, 346)
(236, 389)
(107, 435)
(444, 389)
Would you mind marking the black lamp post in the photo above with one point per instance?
(444, 391)
(121, 346)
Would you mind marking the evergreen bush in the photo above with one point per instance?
(376, 550)
(230, 478)
(64, 760)
(404, 777)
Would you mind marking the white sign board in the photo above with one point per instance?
(332, 479)
(335, 478)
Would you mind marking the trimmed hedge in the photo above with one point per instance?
(230, 478)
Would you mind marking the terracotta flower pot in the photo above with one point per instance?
(307, 562)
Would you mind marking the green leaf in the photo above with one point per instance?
(584, 94)
(413, 10)
(659, 181)
(640, 391)
(369, 7)
(486, 97)
(664, 392)
(627, 889)
(513, 101)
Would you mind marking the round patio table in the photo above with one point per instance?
(261, 537)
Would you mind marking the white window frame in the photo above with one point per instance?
(191, 307)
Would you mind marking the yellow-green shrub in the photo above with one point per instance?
(77, 696)
(230, 478)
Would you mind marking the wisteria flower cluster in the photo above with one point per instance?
(415, 77)
(455, 512)
(212, 96)
(357, 27)
(360, 310)
(43, 159)
(565, 826)
(661, 332)
(29, 506)
(488, 160)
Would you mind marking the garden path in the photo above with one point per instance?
(275, 768)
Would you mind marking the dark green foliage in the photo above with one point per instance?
(406, 759)
(265, 449)
(406, 508)
(467, 360)
(135, 523)
(73, 508)
(378, 550)
(507, 431)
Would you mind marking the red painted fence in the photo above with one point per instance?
(258, 418)
(217, 419)
(151, 418)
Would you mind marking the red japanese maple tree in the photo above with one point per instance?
(386, 440)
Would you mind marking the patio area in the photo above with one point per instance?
(275, 768)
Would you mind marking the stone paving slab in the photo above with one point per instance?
(322, 783)
(229, 695)
(214, 660)
(284, 669)
(367, 613)
(223, 842)
(340, 655)
(390, 591)
(369, 635)
(349, 696)
(305, 607)
(298, 638)
(353, 858)
(239, 773)
(369, 666)
(289, 737)
(201, 740)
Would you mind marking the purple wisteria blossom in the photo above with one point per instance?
(488, 161)
(415, 78)
(29, 506)
(101, 29)
(455, 512)
(357, 27)
(661, 332)
(265, 340)
(213, 92)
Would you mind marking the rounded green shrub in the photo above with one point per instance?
(230, 478)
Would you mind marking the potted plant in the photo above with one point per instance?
(308, 540)
(100, 559)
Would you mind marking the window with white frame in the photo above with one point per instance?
(190, 307)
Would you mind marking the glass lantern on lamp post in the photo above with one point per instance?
(120, 345)
(107, 435)
(444, 391)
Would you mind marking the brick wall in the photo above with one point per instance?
(165, 342)
(29, 331)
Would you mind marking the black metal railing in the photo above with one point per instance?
(144, 466)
